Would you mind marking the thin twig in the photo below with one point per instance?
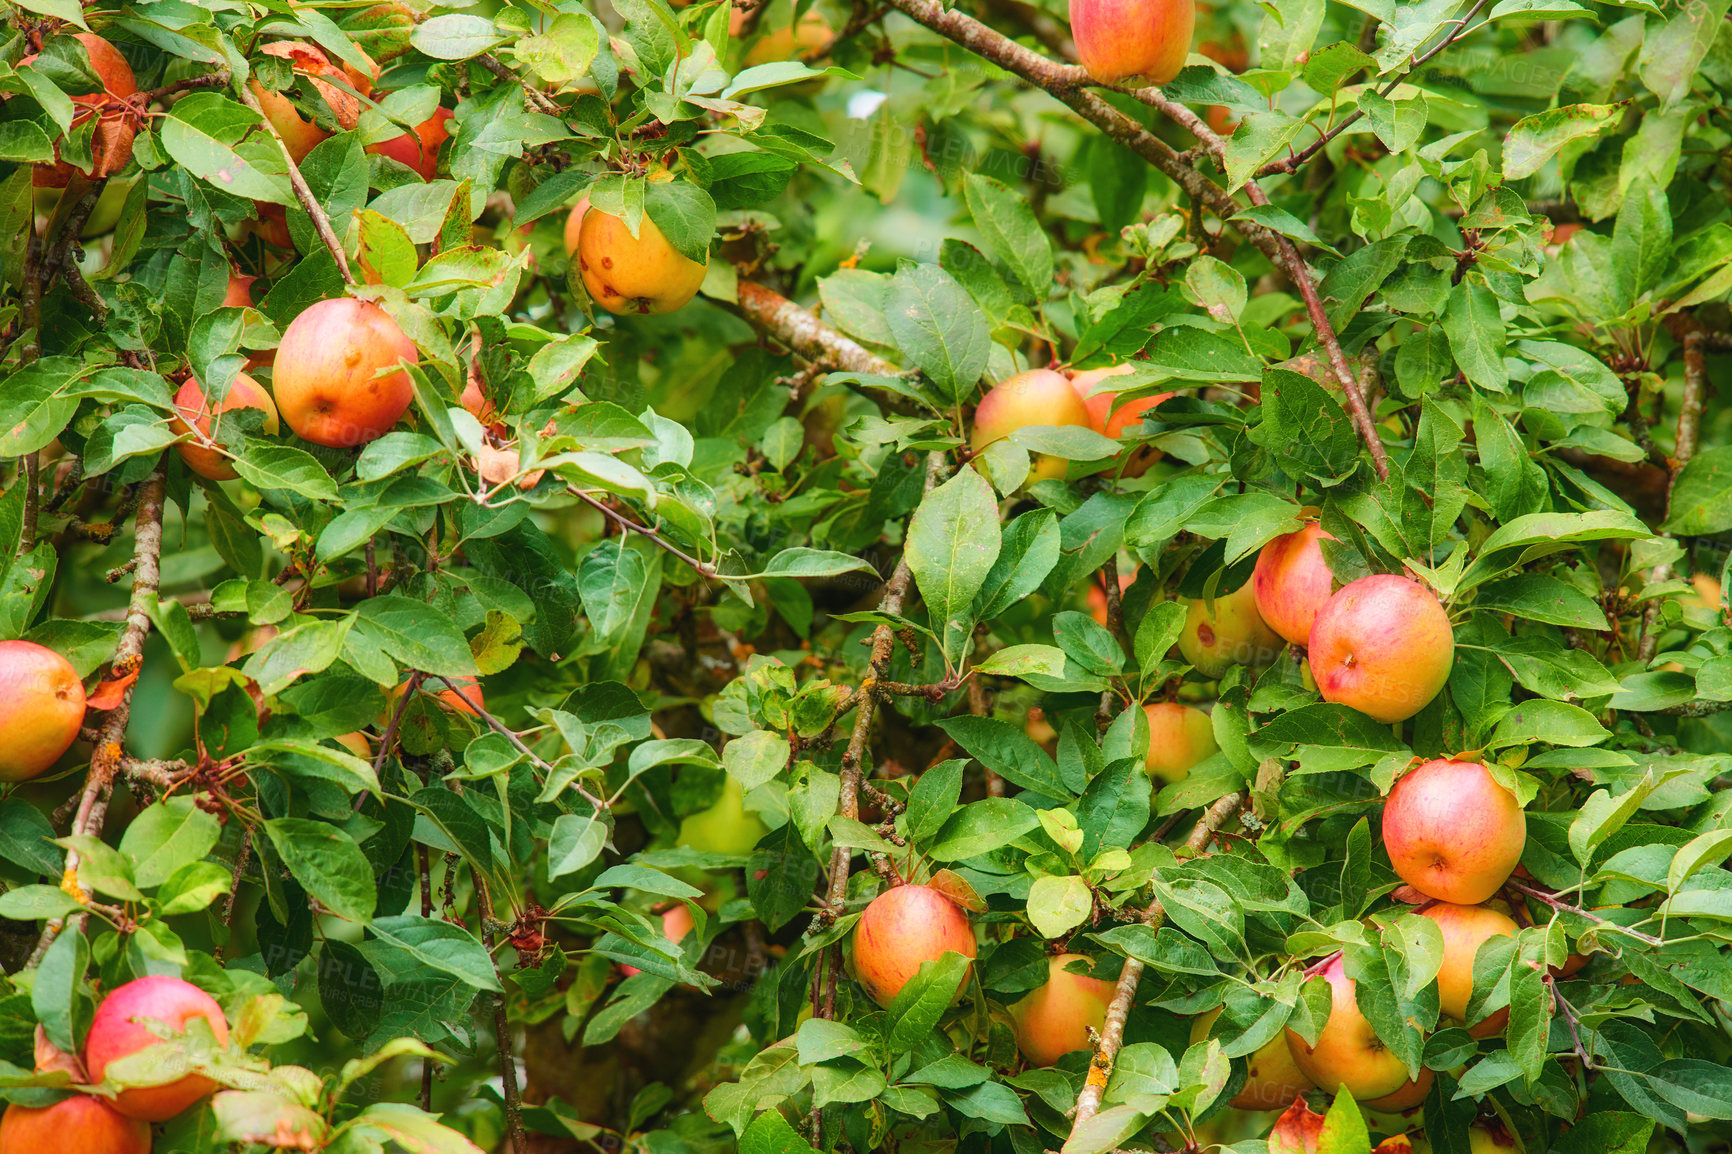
(542, 101)
(654, 535)
(1113, 1029)
(304, 194)
(805, 334)
(508, 734)
(502, 1027)
(1558, 903)
(216, 79)
(1683, 448)
(108, 757)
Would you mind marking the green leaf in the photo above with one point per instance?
(1010, 232)
(218, 141)
(939, 327)
(981, 826)
(439, 944)
(953, 540)
(269, 466)
(1702, 495)
(417, 635)
(1535, 139)
(1057, 905)
(923, 1000)
(327, 863)
(167, 836)
(1552, 722)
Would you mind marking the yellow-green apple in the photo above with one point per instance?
(122, 1026)
(1292, 581)
(1037, 397)
(1465, 929)
(338, 377)
(117, 121)
(641, 274)
(299, 134)
(1382, 645)
(1272, 1078)
(41, 708)
(903, 927)
(81, 1124)
(1452, 832)
(419, 149)
(1227, 631)
(1180, 736)
(1054, 1018)
(1348, 1051)
(726, 827)
(195, 416)
(1132, 39)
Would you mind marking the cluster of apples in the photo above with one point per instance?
(1452, 833)
(132, 1018)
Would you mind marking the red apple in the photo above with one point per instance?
(1037, 397)
(337, 378)
(41, 708)
(300, 134)
(193, 411)
(1465, 929)
(1452, 832)
(903, 927)
(419, 149)
(1144, 40)
(1348, 1051)
(1111, 417)
(1382, 645)
(119, 1029)
(1292, 581)
(1054, 1019)
(81, 1124)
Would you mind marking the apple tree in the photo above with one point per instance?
(794, 577)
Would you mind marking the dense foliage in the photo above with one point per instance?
(505, 643)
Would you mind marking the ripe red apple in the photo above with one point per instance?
(1054, 1018)
(41, 708)
(1180, 736)
(419, 149)
(1037, 397)
(116, 120)
(1452, 832)
(676, 924)
(634, 275)
(300, 134)
(1382, 645)
(903, 927)
(1110, 417)
(1272, 1078)
(574, 224)
(1292, 581)
(1465, 929)
(118, 1030)
(1227, 631)
(81, 1124)
(1144, 40)
(193, 411)
(336, 375)
(1348, 1051)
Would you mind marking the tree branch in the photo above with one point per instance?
(304, 194)
(805, 334)
(542, 101)
(1064, 83)
(502, 1028)
(1113, 1030)
(108, 758)
(510, 735)
(1694, 342)
(654, 535)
